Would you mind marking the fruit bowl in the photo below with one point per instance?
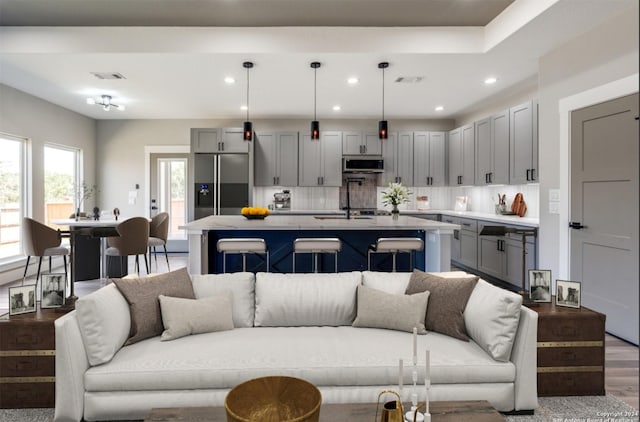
(255, 213)
(254, 217)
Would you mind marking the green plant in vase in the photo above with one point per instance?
(83, 192)
(394, 196)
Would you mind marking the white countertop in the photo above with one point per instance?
(307, 222)
(485, 216)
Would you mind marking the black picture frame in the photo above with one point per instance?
(22, 299)
(568, 293)
(540, 285)
(52, 290)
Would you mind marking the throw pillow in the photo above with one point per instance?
(492, 316)
(243, 287)
(378, 309)
(182, 317)
(142, 295)
(449, 298)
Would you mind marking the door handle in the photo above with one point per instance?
(533, 177)
(491, 177)
(528, 174)
(576, 225)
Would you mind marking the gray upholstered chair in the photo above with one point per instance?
(158, 233)
(133, 239)
(41, 240)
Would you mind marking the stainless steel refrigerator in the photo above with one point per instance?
(221, 184)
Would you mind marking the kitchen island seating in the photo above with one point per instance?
(395, 245)
(242, 246)
(314, 246)
(133, 239)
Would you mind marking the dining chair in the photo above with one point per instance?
(133, 239)
(41, 240)
(158, 233)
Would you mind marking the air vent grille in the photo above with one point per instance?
(409, 79)
(108, 75)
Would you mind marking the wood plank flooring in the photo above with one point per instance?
(621, 358)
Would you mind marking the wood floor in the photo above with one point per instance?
(621, 358)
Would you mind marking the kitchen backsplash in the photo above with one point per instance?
(480, 198)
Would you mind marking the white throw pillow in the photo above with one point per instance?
(395, 283)
(491, 317)
(105, 323)
(293, 300)
(182, 317)
(242, 285)
(378, 309)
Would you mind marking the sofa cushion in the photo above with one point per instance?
(243, 287)
(182, 317)
(325, 356)
(491, 318)
(288, 300)
(104, 321)
(447, 302)
(378, 309)
(142, 295)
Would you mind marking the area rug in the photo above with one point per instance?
(551, 409)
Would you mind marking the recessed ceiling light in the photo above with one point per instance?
(490, 80)
(439, 108)
(337, 108)
(229, 80)
(244, 107)
(352, 81)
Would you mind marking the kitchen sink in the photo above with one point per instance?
(340, 217)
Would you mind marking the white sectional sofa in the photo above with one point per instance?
(289, 324)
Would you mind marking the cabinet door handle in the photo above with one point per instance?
(528, 174)
(490, 177)
(533, 177)
(274, 180)
(364, 149)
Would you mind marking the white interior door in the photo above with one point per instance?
(604, 211)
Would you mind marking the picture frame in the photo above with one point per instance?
(540, 285)
(52, 290)
(22, 299)
(568, 293)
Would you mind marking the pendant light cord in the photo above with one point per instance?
(315, 87)
(247, 94)
(383, 93)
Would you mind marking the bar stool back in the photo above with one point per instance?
(314, 246)
(242, 246)
(394, 246)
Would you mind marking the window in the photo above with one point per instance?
(172, 186)
(60, 179)
(13, 198)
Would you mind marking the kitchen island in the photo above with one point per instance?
(280, 231)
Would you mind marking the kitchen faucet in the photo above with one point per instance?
(348, 181)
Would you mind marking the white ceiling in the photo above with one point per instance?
(178, 52)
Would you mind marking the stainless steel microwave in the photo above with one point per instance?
(362, 165)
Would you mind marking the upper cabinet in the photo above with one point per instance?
(320, 161)
(276, 159)
(358, 143)
(429, 158)
(492, 149)
(218, 141)
(397, 152)
(462, 156)
(524, 143)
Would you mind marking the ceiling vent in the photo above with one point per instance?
(108, 75)
(409, 79)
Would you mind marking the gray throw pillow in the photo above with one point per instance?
(142, 294)
(183, 317)
(378, 309)
(449, 297)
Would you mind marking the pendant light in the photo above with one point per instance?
(247, 126)
(315, 124)
(383, 127)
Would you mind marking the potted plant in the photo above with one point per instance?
(83, 192)
(394, 196)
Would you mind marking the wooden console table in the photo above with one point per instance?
(570, 351)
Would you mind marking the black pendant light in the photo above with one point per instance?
(315, 124)
(383, 126)
(247, 127)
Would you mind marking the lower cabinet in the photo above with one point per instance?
(464, 246)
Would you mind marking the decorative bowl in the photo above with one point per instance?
(254, 216)
(273, 399)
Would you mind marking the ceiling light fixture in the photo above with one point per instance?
(229, 80)
(383, 127)
(490, 80)
(337, 108)
(247, 127)
(105, 102)
(352, 81)
(315, 124)
(439, 108)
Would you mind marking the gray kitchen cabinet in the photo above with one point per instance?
(276, 159)
(397, 152)
(462, 155)
(320, 161)
(523, 143)
(492, 149)
(218, 140)
(358, 143)
(464, 243)
(429, 158)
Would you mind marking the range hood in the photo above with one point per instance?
(362, 165)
